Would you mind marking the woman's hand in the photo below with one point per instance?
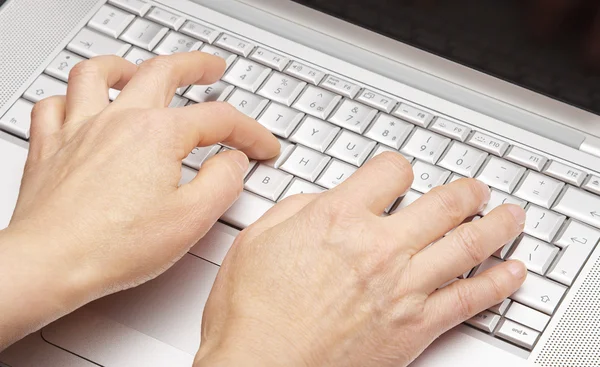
(100, 209)
(326, 281)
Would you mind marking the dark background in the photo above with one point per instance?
(543, 45)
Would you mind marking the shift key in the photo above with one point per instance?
(540, 293)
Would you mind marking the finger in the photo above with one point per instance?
(465, 298)
(377, 184)
(89, 82)
(157, 79)
(204, 124)
(439, 211)
(47, 118)
(466, 247)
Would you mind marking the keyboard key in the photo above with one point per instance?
(176, 42)
(340, 86)
(165, 18)
(178, 101)
(280, 120)
(498, 198)
(138, 56)
(247, 74)
(270, 58)
(414, 115)
(111, 21)
(578, 241)
(383, 148)
(539, 189)
(199, 155)
(503, 251)
(61, 66)
(410, 197)
(144, 33)
(225, 55)
(335, 173)
(247, 103)
(488, 143)
(299, 186)
(218, 91)
(246, 210)
(526, 158)
(427, 177)
(535, 254)
(376, 100)
(425, 145)
(463, 159)
(578, 234)
(43, 87)
(88, 43)
(306, 73)
(305, 163)
(501, 174)
(450, 129)
(501, 307)
(282, 88)
(199, 31)
(314, 133)
(351, 148)
(454, 177)
(268, 182)
(580, 205)
(235, 45)
(486, 321)
(527, 316)
(542, 223)
(518, 334)
(317, 102)
(592, 184)
(389, 130)
(137, 7)
(286, 148)
(17, 119)
(565, 173)
(353, 116)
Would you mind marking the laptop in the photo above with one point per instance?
(498, 90)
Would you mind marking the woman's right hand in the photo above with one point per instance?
(324, 280)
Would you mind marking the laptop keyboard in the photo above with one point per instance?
(329, 126)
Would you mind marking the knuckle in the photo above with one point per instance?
(469, 239)
(474, 189)
(449, 203)
(160, 64)
(43, 105)
(397, 162)
(84, 68)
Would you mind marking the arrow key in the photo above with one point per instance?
(43, 87)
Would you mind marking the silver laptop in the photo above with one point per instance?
(461, 88)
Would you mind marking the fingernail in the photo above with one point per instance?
(518, 213)
(487, 194)
(517, 269)
(241, 159)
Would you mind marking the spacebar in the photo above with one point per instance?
(246, 210)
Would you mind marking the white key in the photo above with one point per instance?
(565, 173)
(88, 43)
(527, 316)
(389, 130)
(351, 148)
(61, 66)
(335, 173)
(353, 116)
(247, 74)
(427, 176)
(377, 100)
(425, 145)
(282, 88)
(518, 334)
(43, 87)
(501, 174)
(270, 58)
(577, 234)
(578, 242)
(178, 101)
(235, 45)
(450, 129)
(526, 158)
(410, 197)
(535, 254)
(246, 210)
(503, 251)
(306, 73)
(138, 56)
(199, 155)
(383, 148)
(299, 186)
(488, 143)
(592, 184)
(247, 103)
(268, 182)
(176, 42)
(111, 21)
(280, 120)
(218, 91)
(580, 205)
(199, 31)
(229, 57)
(17, 119)
(113, 94)
(137, 7)
(498, 198)
(216, 243)
(463, 159)
(340, 86)
(539, 189)
(542, 223)
(286, 148)
(165, 18)
(314, 133)
(414, 115)
(317, 102)
(501, 307)
(144, 33)
(305, 163)
(486, 321)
